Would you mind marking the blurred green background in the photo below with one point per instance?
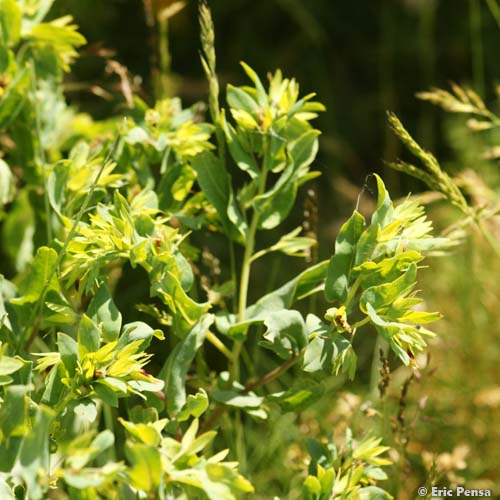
(362, 59)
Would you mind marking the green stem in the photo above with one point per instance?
(234, 277)
(243, 292)
(246, 266)
(274, 374)
(109, 423)
(265, 379)
(360, 323)
(64, 403)
(218, 344)
(352, 293)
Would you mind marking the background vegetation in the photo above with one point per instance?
(361, 59)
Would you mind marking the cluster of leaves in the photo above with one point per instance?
(131, 191)
(349, 472)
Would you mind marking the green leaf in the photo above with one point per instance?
(54, 388)
(340, 265)
(106, 393)
(274, 206)
(89, 338)
(198, 444)
(384, 295)
(293, 245)
(224, 478)
(57, 310)
(9, 365)
(56, 186)
(383, 214)
(262, 98)
(10, 22)
(403, 339)
(68, 348)
(374, 493)
(6, 491)
(366, 245)
(6, 57)
(14, 97)
(85, 412)
(311, 488)
(6, 183)
(145, 466)
(245, 160)
(7, 292)
(138, 330)
(239, 99)
(304, 149)
(376, 273)
(327, 350)
(299, 397)
(195, 406)
(61, 38)
(34, 454)
(216, 185)
(285, 333)
(34, 282)
(14, 411)
(332, 355)
(235, 398)
(103, 311)
(180, 360)
(166, 284)
(146, 433)
(18, 231)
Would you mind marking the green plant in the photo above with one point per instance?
(87, 410)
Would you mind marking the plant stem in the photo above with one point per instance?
(360, 323)
(243, 292)
(218, 344)
(109, 419)
(273, 374)
(234, 277)
(352, 293)
(246, 265)
(265, 379)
